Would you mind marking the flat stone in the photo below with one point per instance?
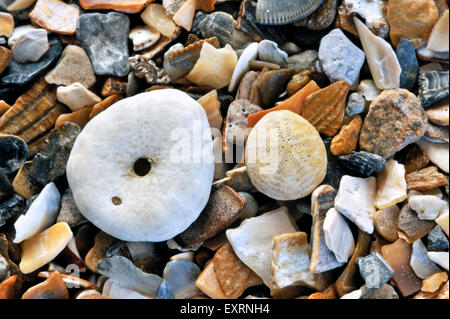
(21, 74)
(322, 18)
(439, 257)
(105, 39)
(69, 211)
(375, 270)
(268, 51)
(223, 208)
(322, 258)
(345, 142)
(433, 87)
(338, 236)
(437, 152)
(362, 164)
(439, 113)
(433, 282)
(30, 46)
(410, 224)
(340, 58)
(436, 240)
(395, 120)
(425, 179)
(73, 66)
(128, 6)
(56, 16)
(391, 185)
(427, 207)
(386, 223)
(406, 54)
(52, 288)
(76, 96)
(420, 263)
(355, 104)
(252, 240)
(356, 200)
(13, 152)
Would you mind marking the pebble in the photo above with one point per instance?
(411, 225)
(340, 58)
(217, 24)
(179, 280)
(21, 74)
(40, 215)
(439, 113)
(422, 266)
(425, 179)
(391, 185)
(43, 247)
(322, 258)
(437, 152)
(52, 288)
(356, 200)
(362, 164)
(5, 58)
(10, 288)
(223, 208)
(298, 82)
(356, 104)
(76, 96)
(375, 270)
(433, 87)
(184, 17)
(427, 207)
(13, 152)
(23, 184)
(433, 282)
(437, 41)
(128, 6)
(383, 63)
(102, 242)
(322, 18)
(252, 240)
(55, 16)
(30, 46)
(215, 67)
(243, 65)
(338, 236)
(303, 61)
(436, 134)
(406, 54)
(436, 240)
(4, 269)
(368, 90)
(73, 66)
(442, 221)
(6, 25)
(105, 39)
(236, 129)
(143, 37)
(397, 111)
(13, 206)
(86, 174)
(408, 21)
(325, 109)
(69, 212)
(155, 16)
(268, 51)
(439, 257)
(79, 117)
(295, 169)
(385, 222)
(345, 142)
(211, 105)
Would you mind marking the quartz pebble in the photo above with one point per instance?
(252, 240)
(440, 258)
(433, 282)
(375, 270)
(76, 96)
(420, 263)
(368, 90)
(391, 185)
(184, 17)
(340, 58)
(155, 16)
(338, 236)
(442, 221)
(30, 46)
(56, 16)
(356, 200)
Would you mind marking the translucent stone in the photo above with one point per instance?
(155, 16)
(338, 236)
(391, 185)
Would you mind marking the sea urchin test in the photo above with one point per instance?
(134, 172)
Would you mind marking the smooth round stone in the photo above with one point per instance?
(285, 156)
(134, 172)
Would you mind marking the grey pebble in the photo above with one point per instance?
(355, 105)
(375, 270)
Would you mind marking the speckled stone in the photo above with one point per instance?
(340, 58)
(355, 104)
(406, 54)
(375, 270)
(437, 241)
(395, 120)
(105, 39)
(362, 164)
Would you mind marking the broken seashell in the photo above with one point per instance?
(76, 96)
(146, 68)
(129, 276)
(356, 200)
(40, 215)
(422, 266)
(184, 17)
(30, 46)
(6, 24)
(391, 185)
(439, 257)
(411, 226)
(129, 6)
(433, 87)
(43, 247)
(296, 163)
(215, 67)
(338, 236)
(179, 280)
(55, 16)
(438, 40)
(279, 12)
(382, 60)
(427, 207)
(143, 37)
(211, 105)
(252, 240)
(437, 152)
(155, 16)
(52, 288)
(243, 65)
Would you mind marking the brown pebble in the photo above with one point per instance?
(114, 86)
(10, 287)
(415, 159)
(3, 107)
(298, 82)
(434, 282)
(52, 288)
(103, 105)
(386, 223)
(411, 227)
(425, 179)
(79, 117)
(245, 86)
(329, 293)
(345, 142)
(442, 293)
(102, 243)
(5, 58)
(23, 184)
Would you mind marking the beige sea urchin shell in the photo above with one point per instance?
(285, 156)
(133, 170)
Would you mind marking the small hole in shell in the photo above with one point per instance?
(142, 166)
(116, 201)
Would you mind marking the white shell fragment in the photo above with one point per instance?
(143, 37)
(170, 194)
(421, 264)
(252, 240)
(41, 214)
(356, 200)
(391, 185)
(243, 65)
(427, 207)
(114, 290)
(30, 46)
(438, 40)
(76, 96)
(437, 152)
(440, 258)
(338, 236)
(382, 60)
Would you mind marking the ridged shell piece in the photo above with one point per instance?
(433, 87)
(279, 12)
